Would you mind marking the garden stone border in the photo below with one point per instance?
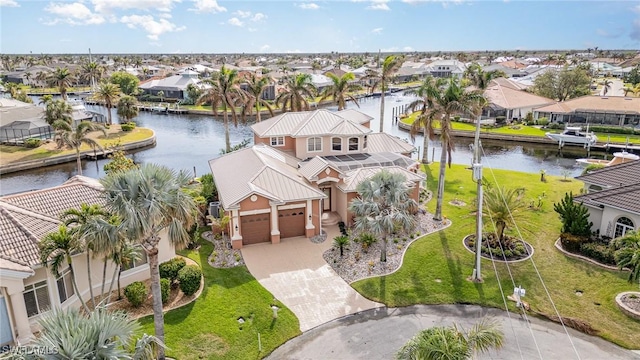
(499, 260)
(585, 259)
(624, 308)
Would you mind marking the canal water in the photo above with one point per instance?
(189, 141)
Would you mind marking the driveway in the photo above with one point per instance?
(297, 275)
(379, 333)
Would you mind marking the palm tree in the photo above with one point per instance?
(127, 108)
(606, 86)
(381, 79)
(101, 334)
(225, 90)
(160, 94)
(57, 248)
(452, 343)
(454, 99)
(150, 200)
(341, 89)
(296, 94)
(383, 206)
(108, 93)
(73, 138)
(41, 77)
(504, 207)
(62, 79)
(628, 254)
(628, 90)
(92, 72)
(81, 219)
(480, 78)
(57, 112)
(255, 87)
(426, 93)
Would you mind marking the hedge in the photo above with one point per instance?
(599, 252)
(32, 143)
(136, 293)
(614, 130)
(189, 278)
(165, 289)
(169, 269)
(128, 126)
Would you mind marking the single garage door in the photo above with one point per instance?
(255, 229)
(291, 223)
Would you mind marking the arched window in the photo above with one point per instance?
(354, 143)
(623, 224)
(314, 144)
(336, 144)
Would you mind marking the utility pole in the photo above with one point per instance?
(477, 177)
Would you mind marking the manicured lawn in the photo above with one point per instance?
(208, 327)
(436, 267)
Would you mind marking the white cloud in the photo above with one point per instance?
(235, 22)
(265, 47)
(309, 6)
(379, 5)
(258, 17)
(377, 31)
(109, 6)
(9, 3)
(407, 48)
(207, 6)
(153, 28)
(252, 29)
(243, 14)
(72, 14)
(249, 15)
(296, 51)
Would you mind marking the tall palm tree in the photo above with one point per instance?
(74, 137)
(452, 343)
(108, 93)
(100, 334)
(62, 79)
(504, 207)
(81, 219)
(127, 108)
(628, 254)
(384, 204)
(606, 86)
(454, 99)
(57, 111)
(296, 94)
(482, 79)
(150, 200)
(255, 87)
(225, 91)
(381, 79)
(41, 77)
(57, 248)
(426, 93)
(92, 72)
(341, 89)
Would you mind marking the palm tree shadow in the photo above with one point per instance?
(383, 289)
(453, 264)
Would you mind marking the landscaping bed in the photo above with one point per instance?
(222, 256)
(629, 303)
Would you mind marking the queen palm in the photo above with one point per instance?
(151, 200)
(224, 91)
(62, 79)
(426, 93)
(381, 79)
(341, 89)
(127, 108)
(57, 112)
(452, 343)
(384, 205)
(255, 87)
(108, 93)
(296, 94)
(628, 254)
(57, 248)
(454, 99)
(504, 207)
(74, 137)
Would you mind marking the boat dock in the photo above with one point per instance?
(158, 108)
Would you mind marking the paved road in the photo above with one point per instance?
(615, 88)
(379, 333)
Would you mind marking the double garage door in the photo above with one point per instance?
(257, 228)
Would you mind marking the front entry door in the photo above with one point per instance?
(6, 336)
(326, 203)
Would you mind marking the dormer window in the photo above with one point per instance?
(354, 143)
(336, 144)
(314, 144)
(277, 141)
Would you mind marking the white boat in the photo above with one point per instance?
(574, 136)
(618, 158)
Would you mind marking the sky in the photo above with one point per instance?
(267, 26)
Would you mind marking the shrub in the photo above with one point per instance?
(543, 121)
(169, 269)
(136, 293)
(456, 118)
(556, 126)
(165, 289)
(343, 228)
(189, 278)
(128, 126)
(614, 130)
(366, 240)
(340, 242)
(501, 119)
(599, 252)
(574, 217)
(592, 167)
(32, 143)
(572, 243)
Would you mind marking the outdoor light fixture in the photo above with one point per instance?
(236, 227)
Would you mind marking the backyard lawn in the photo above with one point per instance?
(436, 267)
(208, 328)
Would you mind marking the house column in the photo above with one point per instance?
(19, 311)
(236, 238)
(310, 227)
(275, 230)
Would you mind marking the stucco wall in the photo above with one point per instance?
(302, 153)
(611, 215)
(289, 143)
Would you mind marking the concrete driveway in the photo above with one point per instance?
(297, 275)
(379, 333)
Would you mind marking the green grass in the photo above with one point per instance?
(208, 327)
(441, 256)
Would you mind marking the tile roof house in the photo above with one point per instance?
(592, 109)
(174, 86)
(27, 289)
(302, 173)
(507, 99)
(612, 195)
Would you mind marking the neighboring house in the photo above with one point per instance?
(613, 198)
(506, 99)
(27, 290)
(446, 68)
(303, 172)
(593, 109)
(173, 87)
